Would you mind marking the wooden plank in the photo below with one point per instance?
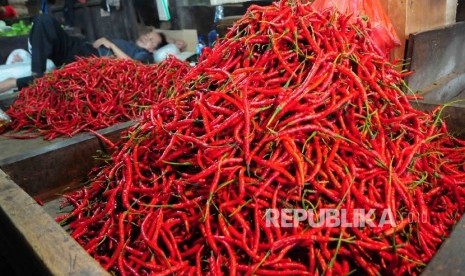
(36, 243)
(449, 259)
(9, 147)
(426, 15)
(413, 16)
(444, 90)
(396, 11)
(7, 99)
(451, 11)
(436, 56)
(453, 115)
(46, 169)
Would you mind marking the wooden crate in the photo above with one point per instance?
(41, 246)
(30, 240)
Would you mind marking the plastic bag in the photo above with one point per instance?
(18, 56)
(5, 120)
(384, 35)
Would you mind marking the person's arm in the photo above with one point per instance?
(180, 44)
(110, 45)
(7, 84)
(18, 83)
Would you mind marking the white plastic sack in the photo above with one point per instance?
(170, 49)
(18, 56)
(20, 70)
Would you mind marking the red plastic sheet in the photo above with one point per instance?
(384, 34)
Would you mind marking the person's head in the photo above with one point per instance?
(148, 38)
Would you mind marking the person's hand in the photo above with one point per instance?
(82, 1)
(180, 44)
(102, 42)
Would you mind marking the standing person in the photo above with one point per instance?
(48, 40)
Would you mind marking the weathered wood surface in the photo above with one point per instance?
(36, 244)
(7, 99)
(414, 16)
(437, 58)
(30, 240)
(453, 114)
(47, 168)
(449, 260)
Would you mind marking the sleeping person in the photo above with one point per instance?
(48, 40)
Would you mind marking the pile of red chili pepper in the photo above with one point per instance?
(91, 93)
(293, 109)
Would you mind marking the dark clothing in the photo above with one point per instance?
(48, 40)
(68, 12)
(163, 40)
(24, 82)
(134, 51)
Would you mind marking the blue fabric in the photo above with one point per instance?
(133, 51)
(43, 6)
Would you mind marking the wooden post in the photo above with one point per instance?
(411, 16)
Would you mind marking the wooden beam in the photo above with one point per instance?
(453, 115)
(438, 60)
(33, 242)
(45, 169)
(396, 11)
(449, 258)
(451, 11)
